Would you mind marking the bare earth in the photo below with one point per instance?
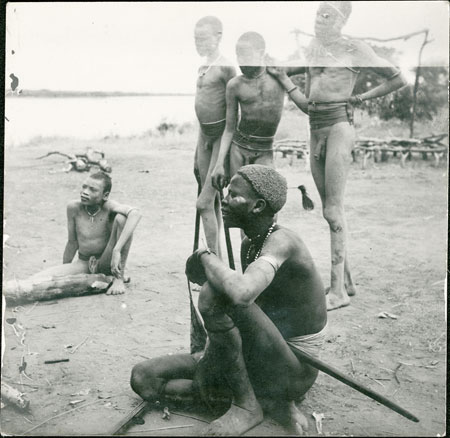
(397, 220)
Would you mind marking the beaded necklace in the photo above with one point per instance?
(252, 245)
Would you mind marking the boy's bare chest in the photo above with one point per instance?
(210, 80)
(93, 227)
(268, 92)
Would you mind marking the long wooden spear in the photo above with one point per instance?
(327, 369)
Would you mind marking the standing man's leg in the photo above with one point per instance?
(103, 264)
(320, 142)
(208, 203)
(330, 175)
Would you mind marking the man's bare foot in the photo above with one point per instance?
(336, 301)
(235, 422)
(298, 422)
(350, 288)
(117, 287)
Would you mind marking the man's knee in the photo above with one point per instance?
(213, 311)
(206, 300)
(144, 381)
(334, 215)
(204, 203)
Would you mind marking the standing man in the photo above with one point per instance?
(334, 63)
(256, 320)
(210, 107)
(258, 99)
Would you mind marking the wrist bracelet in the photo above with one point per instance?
(292, 89)
(204, 251)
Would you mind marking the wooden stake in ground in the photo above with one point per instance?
(26, 291)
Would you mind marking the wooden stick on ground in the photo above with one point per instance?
(327, 369)
(125, 422)
(68, 412)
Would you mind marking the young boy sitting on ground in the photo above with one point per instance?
(101, 231)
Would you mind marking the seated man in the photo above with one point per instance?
(260, 99)
(101, 230)
(255, 320)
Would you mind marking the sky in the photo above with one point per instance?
(149, 47)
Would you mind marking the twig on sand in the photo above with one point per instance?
(162, 428)
(353, 366)
(189, 416)
(68, 411)
(79, 345)
(31, 309)
(395, 372)
(375, 380)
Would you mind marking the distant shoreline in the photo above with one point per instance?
(52, 93)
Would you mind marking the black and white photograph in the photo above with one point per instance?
(225, 218)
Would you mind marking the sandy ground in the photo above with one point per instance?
(397, 220)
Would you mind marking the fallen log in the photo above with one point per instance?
(327, 369)
(13, 396)
(51, 288)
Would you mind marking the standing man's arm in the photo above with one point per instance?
(367, 58)
(218, 175)
(72, 241)
(133, 217)
(292, 71)
(294, 93)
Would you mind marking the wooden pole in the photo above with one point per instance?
(197, 213)
(416, 84)
(51, 288)
(228, 241)
(327, 369)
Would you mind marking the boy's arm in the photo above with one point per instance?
(133, 217)
(72, 241)
(367, 58)
(218, 175)
(294, 93)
